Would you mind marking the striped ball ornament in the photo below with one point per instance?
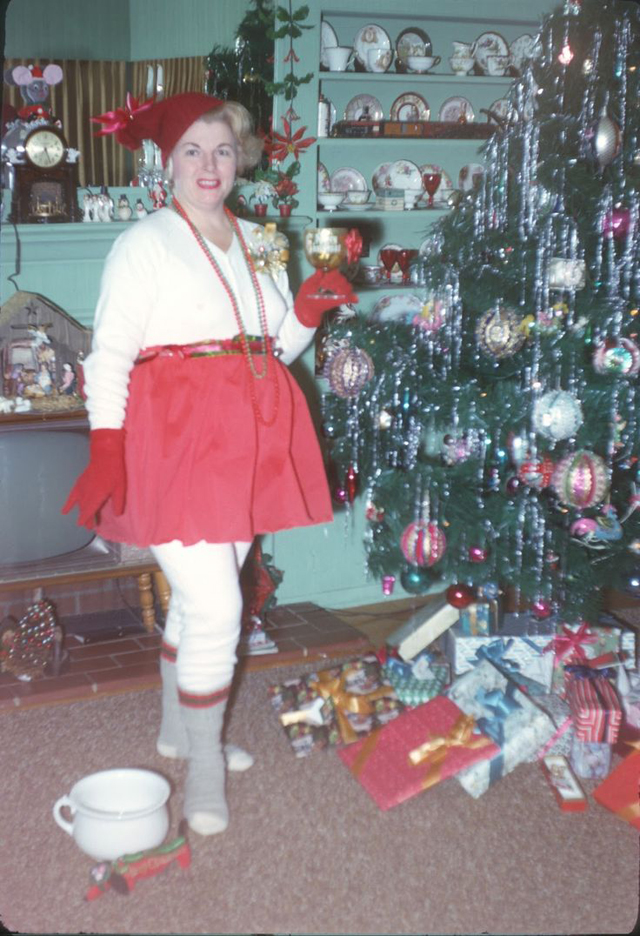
(348, 371)
(581, 479)
(422, 543)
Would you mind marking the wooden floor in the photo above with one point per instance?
(304, 632)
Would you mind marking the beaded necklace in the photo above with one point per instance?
(267, 346)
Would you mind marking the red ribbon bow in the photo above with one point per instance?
(570, 643)
(119, 118)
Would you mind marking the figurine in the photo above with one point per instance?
(44, 380)
(105, 206)
(87, 206)
(124, 209)
(141, 211)
(34, 83)
(158, 196)
(68, 384)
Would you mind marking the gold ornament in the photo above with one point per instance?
(269, 249)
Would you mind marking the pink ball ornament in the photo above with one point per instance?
(340, 495)
(478, 554)
(422, 543)
(616, 222)
(581, 479)
(460, 596)
(541, 609)
(583, 526)
(388, 584)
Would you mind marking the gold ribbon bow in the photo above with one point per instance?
(333, 687)
(435, 750)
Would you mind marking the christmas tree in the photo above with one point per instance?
(494, 436)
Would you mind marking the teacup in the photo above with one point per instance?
(370, 274)
(356, 197)
(116, 812)
(422, 63)
(379, 60)
(461, 64)
(338, 57)
(411, 197)
(462, 48)
(497, 64)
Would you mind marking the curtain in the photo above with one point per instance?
(89, 88)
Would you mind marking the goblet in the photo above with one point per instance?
(389, 257)
(326, 249)
(431, 181)
(405, 256)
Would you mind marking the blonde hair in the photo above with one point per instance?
(240, 122)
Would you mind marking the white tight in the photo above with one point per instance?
(205, 610)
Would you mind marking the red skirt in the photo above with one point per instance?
(202, 466)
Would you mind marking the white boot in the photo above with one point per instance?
(205, 804)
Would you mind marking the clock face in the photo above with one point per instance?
(45, 148)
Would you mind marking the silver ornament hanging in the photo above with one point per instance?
(607, 139)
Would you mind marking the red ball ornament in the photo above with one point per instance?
(460, 596)
(537, 474)
(340, 495)
(478, 554)
(351, 483)
(541, 609)
(616, 222)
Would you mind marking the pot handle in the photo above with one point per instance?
(67, 826)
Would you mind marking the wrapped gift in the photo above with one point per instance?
(480, 618)
(568, 793)
(414, 690)
(334, 706)
(526, 640)
(595, 707)
(628, 686)
(415, 751)
(620, 791)
(560, 714)
(577, 643)
(590, 759)
(510, 717)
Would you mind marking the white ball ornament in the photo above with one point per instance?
(557, 415)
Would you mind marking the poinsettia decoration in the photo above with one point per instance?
(279, 146)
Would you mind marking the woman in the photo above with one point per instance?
(200, 438)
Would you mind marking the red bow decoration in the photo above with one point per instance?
(569, 643)
(353, 243)
(119, 118)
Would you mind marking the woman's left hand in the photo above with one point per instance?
(322, 291)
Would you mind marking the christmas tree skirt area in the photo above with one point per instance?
(510, 861)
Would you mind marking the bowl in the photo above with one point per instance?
(422, 63)
(330, 200)
(354, 197)
(461, 64)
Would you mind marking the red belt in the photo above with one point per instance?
(213, 348)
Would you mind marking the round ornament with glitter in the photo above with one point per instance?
(536, 473)
(557, 415)
(348, 371)
(499, 332)
(616, 222)
(581, 479)
(416, 580)
(422, 543)
(607, 139)
(617, 356)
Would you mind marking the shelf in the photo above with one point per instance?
(379, 213)
(359, 77)
(411, 140)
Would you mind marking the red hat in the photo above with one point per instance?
(164, 121)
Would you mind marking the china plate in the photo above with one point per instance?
(370, 37)
(455, 108)
(324, 180)
(347, 179)
(468, 176)
(411, 41)
(365, 107)
(489, 43)
(522, 49)
(444, 189)
(381, 178)
(500, 108)
(404, 174)
(328, 40)
(410, 106)
(397, 308)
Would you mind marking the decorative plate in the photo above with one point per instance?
(346, 179)
(370, 37)
(489, 43)
(411, 41)
(456, 110)
(324, 181)
(397, 308)
(522, 49)
(405, 175)
(500, 108)
(381, 178)
(410, 106)
(364, 107)
(444, 189)
(469, 176)
(328, 39)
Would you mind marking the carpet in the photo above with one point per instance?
(306, 850)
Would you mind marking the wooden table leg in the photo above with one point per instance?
(163, 590)
(145, 592)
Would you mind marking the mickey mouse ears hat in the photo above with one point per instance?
(164, 121)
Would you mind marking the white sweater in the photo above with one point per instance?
(157, 288)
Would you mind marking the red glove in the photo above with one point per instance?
(103, 478)
(310, 303)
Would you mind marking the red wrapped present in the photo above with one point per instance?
(594, 704)
(418, 749)
(620, 791)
